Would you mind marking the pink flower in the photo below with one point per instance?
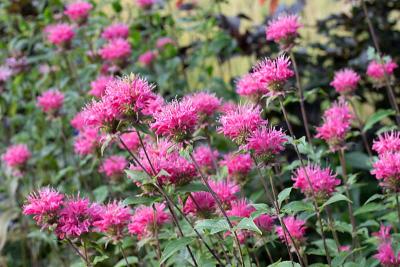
(78, 10)
(77, 217)
(114, 217)
(273, 74)
(176, 120)
(265, 222)
(113, 166)
(145, 218)
(87, 141)
(376, 71)
(147, 58)
(387, 169)
(239, 123)
(205, 157)
(323, 182)
(337, 122)
(116, 31)
(131, 140)
(266, 143)
(225, 190)
(204, 103)
(283, 29)
(154, 105)
(98, 86)
(240, 208)
(344, 248)
(345, 81)
(295, 228)
(227, 107)
(59, 34)
(5, 73)
(386, 255)
(16, 155)
(145, 4)
(250, 87)
(388, 142)
(44, 205)
(239, 165)
(50, 101)
(116, 49)
(163, 41)
(383, 234)
(200, 203)
(78, 121)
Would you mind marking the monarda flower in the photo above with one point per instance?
(115, 31)
(383, 234)
(176, 120)
(239, 166)
(86, 141)
(296, 229)
(50, 101)
(377, 71)
(273, 74)
(77, 217)
(337, 122)
(387, 170)
(238, 123)
(116, 50)
(78, 121)
(266, 143)
(98, 86)
(201, 204)
(388, 142)
(147, 58)
(283, 30)
(16, 156)
(78, 11)
(154, 105)
(249, 86)
(265, 222)
(60, 34)
(322, 181)
(225, 190)
(242, 209)
(145, 4)
(5, 73)
(131, 141)
(145, 219)
(44, 206)
(163, 41)
(205, 104)
(113, 166)
(345, 81)
(205, 158)
(386, 255)
(114, 218)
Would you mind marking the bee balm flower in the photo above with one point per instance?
(60, 34)
(295, 227)
(50, 101)
(249, 86)
(206, 104)
(376, 71)
(283, 30)
(98, 86)
(114, 217)
(16, 155)
(201, 204)
(387, 170)
(145, 4)
(113, 166)
(116, 49)
(239, 165)
(116, 31)
(78, 11)
(345, 81)
(387, 143)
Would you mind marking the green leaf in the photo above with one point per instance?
(174, 246)
(212, 225)
(374, 197)
(370, 207)
(298, 206)
(130, 259)
(141, 200)
(335, 198)
(101, 193)
(191, 187)
(358, 160)
(283, 195)
(285, 264)
(116, 5)
(376, 117)
(248, 224)
(99, 259)
(137, 176)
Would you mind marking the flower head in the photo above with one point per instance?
(145, 218)
(147, 57)
(386, 255)
(113, 166)
(345, 81)
(60, 34)
(131, 140)
(383, 234)
(295, 227)
(283, 29)
(145, 4)
(387, 170)
(163, 41)
(176, 120)
(116, 49)
(249, 86)
(50, 101)
(5, 73)
(116, 31)
(265, 222)
(323, 182)
(78, 10)
(389, 142)
(240, 208)
(78, 121)
(114, 217)
(225, 190)
(86, 141)
(239, 123)
(16, 155)
(200, 203)
(44, 205)
(337, 122)
(205, 157)
(376, 71)
(205, 104)
(273, 74)
(98, 86)
(239, 165)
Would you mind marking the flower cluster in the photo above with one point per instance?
(239, 166)
(249, 86)
(345, 81)
(16, 155)
(115, 31)
(116, 50)
(60, 34)
(114, 166)
(283, 30)
(206, 158)
(98, 86)
(295, 227)
(377, 71)
(50, 101)
(386, 254)
(78, 11)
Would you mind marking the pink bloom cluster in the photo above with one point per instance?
(387, 170)
(376, 71)
(5, 73)
(389, 142)
(250, 87)
(60, 34)
(115, 31)
(16, 155)
(147, 57)
(114, 166)
(131, 140)
(239, 165)
(386, 254)
(116, 49)
(273, 74)
(295, 227)
(345, 81)
(337, 122)
(113, 219)
(283, 29)
(50, 101)
(322, 181)
(201, 204)
(145, 219)
(98, 86)
(145, 4)
(163, 41)
(78, 10)
(87, 141)
(205, 158)
(225, 190)
(205, 104)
